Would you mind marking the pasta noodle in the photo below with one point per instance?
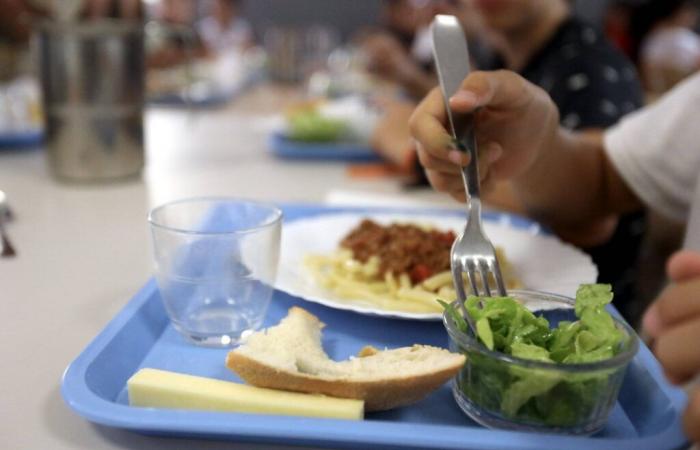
(349, 278)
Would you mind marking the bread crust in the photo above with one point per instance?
(379, 394)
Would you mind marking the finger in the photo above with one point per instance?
(679, 360)
(691, 417)
(651, 322)
(432, 137)
(444, 182)
(428, 161)
(460, 195)
(676, 304)
(683, 266)
(488, 183)
(427, 125)
(487, 155)
(497, 89)
(458, 157)
(495, 170)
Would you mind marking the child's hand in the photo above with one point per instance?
(674, 322)
(516, 120)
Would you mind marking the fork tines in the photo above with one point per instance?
(482, 274)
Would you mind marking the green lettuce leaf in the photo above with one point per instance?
(310, 126)
(592, 296)
(505, 325)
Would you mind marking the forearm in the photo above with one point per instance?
(572, 183)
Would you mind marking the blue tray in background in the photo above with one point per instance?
(27, 139)
(176, 100)
(647, 415)
(286, 148)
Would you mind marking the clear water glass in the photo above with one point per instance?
(215, 263)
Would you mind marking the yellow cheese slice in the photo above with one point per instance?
(164, 389)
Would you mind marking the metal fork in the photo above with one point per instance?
(472, 253)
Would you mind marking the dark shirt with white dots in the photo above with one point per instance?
(594, 85)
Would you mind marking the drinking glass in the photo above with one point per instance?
(92, 79)
(215, 263)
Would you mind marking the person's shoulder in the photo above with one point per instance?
(595, 85)
(583, 43)
(582, 57)
(587, 59)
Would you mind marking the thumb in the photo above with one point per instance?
(683, 266)
(499, 89)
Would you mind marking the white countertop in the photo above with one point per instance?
(84, 250)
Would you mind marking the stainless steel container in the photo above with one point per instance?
(92, 77)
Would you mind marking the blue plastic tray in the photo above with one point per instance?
(27, 139)
(286, 148)
(94, 385)
(175, 100)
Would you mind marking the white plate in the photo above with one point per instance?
(543, 263)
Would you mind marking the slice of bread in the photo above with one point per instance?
(289, 356)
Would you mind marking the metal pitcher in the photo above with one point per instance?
(92, 77)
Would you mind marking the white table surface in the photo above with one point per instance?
(83, 251)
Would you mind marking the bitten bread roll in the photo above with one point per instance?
(289, 356)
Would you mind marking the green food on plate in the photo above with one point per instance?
(311, 126)
(545, 396)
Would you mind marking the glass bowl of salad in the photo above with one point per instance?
(540, 362)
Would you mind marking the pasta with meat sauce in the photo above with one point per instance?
(397, 267)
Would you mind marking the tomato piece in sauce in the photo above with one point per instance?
(420, 272)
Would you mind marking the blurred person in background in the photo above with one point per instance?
(666, 46)
(398, 64)
(402, 51)
(390, 51)
(123, 9)
(224, 28)
(179, 40)
(15, 20)
(18, 16)
(20, 106)
(402, 19)
(15, 30)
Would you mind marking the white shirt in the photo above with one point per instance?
(237, 35)
(656, 150)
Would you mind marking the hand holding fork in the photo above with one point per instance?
(472, 253)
